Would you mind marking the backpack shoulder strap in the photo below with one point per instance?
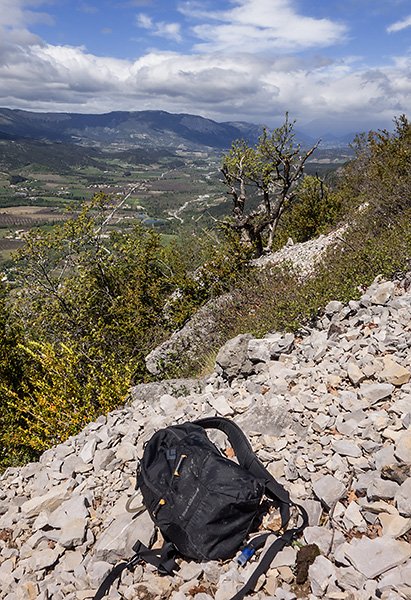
(245, 454)
(249, 460)
(241, 446)
(265, 563)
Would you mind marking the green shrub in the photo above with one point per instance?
(57, 398)
(314, 210)
(215, 265)
(275, 299)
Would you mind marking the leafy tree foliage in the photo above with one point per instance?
(88, 308)
(272, 168)
(87, 311)
(57, 397)
(315, 209)
(203, 269)
(103, 293)
(380, 175)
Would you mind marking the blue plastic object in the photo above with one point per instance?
(244, 556)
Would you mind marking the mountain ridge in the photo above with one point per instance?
(122, 129)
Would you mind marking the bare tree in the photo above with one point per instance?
(272, 167)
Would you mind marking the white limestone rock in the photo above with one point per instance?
(45, 558)
(329, 490)
(374, 392)
(394, 525)
(394, 373)
(220, 404)
(353, 517)
(403, 498)
(403, 447)
(372, 557)
(346, 448)
(355, 374)
(48, 501)
(97, 571)
(383, 489)
(117, 540)
(398, 579)
(73, 533)
(321, 573)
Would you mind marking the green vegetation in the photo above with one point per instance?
(87, 306)
(163, 190)
(88, 298)
(374, 195)
(315, 208)
(272, 168)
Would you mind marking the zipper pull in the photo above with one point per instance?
(159, 505)
(182, 457)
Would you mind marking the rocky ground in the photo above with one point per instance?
(328, 411)
(303, 255)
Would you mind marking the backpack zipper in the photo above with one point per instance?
(161, 502)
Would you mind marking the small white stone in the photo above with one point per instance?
(321, 573)
(221, 405)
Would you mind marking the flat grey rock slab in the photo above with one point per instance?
(374, 392)
(394, 525)
(372, 557)
(329, 490)
(43, 559)
(346, 448)
(118, 539)
(48, 501)
(269, 420)
(382, 489)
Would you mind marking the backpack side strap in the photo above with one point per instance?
(163, 559)
(113, 575)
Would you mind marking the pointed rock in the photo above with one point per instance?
(354, 373)
(403, 498)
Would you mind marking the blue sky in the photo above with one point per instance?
(337, 66)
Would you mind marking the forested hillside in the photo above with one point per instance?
(89, 303)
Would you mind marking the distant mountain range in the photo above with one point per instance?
(140, 129)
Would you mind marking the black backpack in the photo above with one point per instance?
(205, 504)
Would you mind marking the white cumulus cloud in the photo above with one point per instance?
(162, 29)
(399, 25)
(18, 14)
(259, 25)
(247, 65)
